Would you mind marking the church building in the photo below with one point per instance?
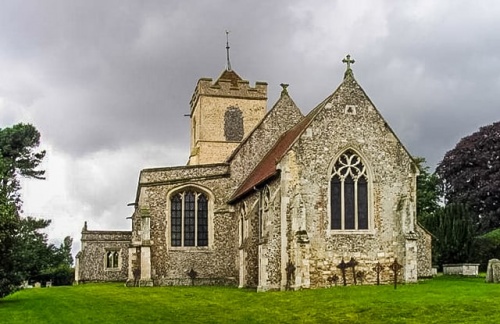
(271, 199)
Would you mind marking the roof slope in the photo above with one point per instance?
(267, 167)
(284, 106)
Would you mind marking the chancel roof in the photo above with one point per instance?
(267, 167)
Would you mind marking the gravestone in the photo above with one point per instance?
(493, 272)
(38, 285)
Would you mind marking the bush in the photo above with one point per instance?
(59, 276)
(486, 247)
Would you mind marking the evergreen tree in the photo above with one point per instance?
(18, 158)
(454, 234)
(427, 192)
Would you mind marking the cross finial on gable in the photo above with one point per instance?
(284, 86)
(348, 61)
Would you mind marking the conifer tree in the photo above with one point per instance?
(454, 234)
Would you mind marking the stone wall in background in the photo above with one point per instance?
(92, 258)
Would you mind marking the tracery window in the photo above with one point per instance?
(112, 259)
(349, 193)
(189, 219)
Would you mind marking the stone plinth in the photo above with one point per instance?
(462, 269)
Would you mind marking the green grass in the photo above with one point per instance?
(440, 300)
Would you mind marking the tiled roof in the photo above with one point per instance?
(267, 167)
(231, 76)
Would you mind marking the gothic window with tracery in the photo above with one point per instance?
(349, 193)
(112, 259)
(189, 219)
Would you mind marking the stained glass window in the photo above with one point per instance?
(349, 193)
(189, 219)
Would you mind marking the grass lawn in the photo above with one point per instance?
(440, 300)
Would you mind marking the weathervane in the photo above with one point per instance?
(228, 67)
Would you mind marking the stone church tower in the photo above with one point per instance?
(222, 114)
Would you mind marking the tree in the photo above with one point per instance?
(487, 247)
(17, 158)
(9, 278)
(454, 234)
(32, 253)
(470, 174)
(427, 192)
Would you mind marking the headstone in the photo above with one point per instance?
(38, 285)
(48, 284)
(343, 266)
(352, 264)
(378, 269)
(395, 267)
(493, 271)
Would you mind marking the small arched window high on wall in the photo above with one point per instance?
(349, 193)
(189, 218)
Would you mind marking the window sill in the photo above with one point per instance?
(351, 232)
(194, 249)
(112, 269)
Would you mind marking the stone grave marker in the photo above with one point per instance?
(493, 271)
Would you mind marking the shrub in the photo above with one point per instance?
(486, 247)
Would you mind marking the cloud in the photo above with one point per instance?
(107, 83)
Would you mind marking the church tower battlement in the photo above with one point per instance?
(222, 114)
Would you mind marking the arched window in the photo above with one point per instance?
(112, 259)
(189, 219)
(349, 193)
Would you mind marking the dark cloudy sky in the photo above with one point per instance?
(107, 82)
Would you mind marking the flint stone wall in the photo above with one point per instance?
(306, 170)
(424, 246)
(170, 265)
(278, 120)
(92, 257)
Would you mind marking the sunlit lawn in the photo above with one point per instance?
(440, 300)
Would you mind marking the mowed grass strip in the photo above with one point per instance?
(440, 300)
